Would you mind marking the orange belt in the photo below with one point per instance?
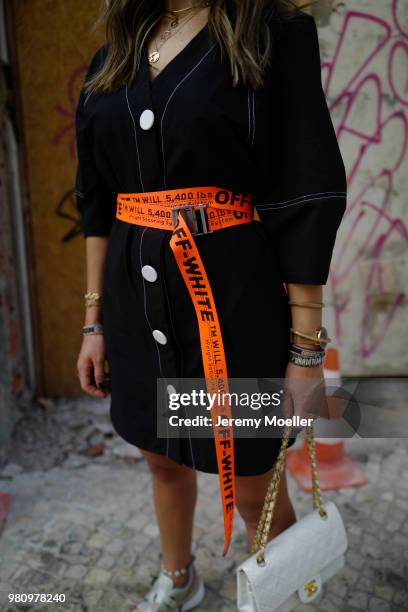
(187, 213)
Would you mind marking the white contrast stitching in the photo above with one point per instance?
(135, 134)
(307, 195)
(303, 197)
(300, 201)
(168, 102)
(80, 194)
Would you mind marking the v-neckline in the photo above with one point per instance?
(175, 60)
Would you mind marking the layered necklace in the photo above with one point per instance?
(176, 25)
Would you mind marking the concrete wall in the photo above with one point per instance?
(364, 47)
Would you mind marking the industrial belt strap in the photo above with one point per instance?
(187, 213)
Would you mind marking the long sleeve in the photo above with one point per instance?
(94, 198)
(304, 196)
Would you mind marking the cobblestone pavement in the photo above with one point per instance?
(82, 521)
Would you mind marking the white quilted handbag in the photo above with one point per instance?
(291, 569)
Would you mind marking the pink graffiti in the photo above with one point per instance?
(67, 133)
(379, 145)
(400, 93)
(395, 10)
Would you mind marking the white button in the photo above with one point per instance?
(171, 389)
(149, 274)
(159, 336)
(146, 119)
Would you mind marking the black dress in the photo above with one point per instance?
(277, 143)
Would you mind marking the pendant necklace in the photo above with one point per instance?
(175, 24)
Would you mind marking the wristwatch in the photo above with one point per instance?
(319, 337)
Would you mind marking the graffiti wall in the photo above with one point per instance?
(364, 47)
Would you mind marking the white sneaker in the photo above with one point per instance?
(164, 596)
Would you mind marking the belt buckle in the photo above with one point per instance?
(194, 216)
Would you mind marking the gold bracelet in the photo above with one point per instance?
(307, 304)
(92, 299)
(318, 339)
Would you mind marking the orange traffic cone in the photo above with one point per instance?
(335, 469)
(5, 503)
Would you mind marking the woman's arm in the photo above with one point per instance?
(305, 384)
(304, 319)
(96, 247)
(91, 359)
(95, 205)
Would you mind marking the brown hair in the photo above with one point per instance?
(240, 27)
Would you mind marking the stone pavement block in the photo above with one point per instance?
(92, 599)
(151, 530)
(335, 600)
(124, 581)
(229, 588)
(358, 600)
(8, 569)
(68, 548)
(366, 584)
(350, 576)
(99, 539)
(97, 577)
(113, 527)
(338, 587)
(327, 605)
(138, 521)
(88, 556)
(400, 600)
(76, 572)
(213, 602)
(26, 578)
(383, 591)
(378, 605)
(115, 546)
(106, 561)
(127, 559)
(392, 526)
(354, 559)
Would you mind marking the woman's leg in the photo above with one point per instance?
(175, 493)
(251, 491)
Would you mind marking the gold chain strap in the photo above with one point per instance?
(316, 493)
(265, 521)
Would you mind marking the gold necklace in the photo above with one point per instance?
(183, 10)
(154, 56)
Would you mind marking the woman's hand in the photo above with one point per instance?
(304, 391)
(91, 365)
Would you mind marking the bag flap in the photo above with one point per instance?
(296, 557)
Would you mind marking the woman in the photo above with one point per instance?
(189, 94)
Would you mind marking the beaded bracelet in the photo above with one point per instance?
(306, 361)
(308, 358)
